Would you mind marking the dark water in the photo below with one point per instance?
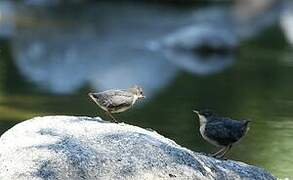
(50, 60)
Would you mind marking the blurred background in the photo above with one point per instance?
(234, 57)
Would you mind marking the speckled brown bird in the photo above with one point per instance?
(117, 100)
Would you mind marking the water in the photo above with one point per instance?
(50, 60)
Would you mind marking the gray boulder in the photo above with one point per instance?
(68, 147)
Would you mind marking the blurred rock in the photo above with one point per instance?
(208, 45)
(62, 56)
(115, 45)
(7, 21)
(67, 147)
(201, 64)
(50, 3)
(287, 21)
(61, 2)
(201, 36)
(223, 27)
(210, 31)
(251, 17)
(105, 50)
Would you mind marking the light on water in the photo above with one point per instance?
(51, 56)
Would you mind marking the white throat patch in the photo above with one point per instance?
(202, 120)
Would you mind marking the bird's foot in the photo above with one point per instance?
(206, 154)
(150, 129)
(220, 157)
(112, 117)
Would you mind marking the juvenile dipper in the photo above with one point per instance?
(117, 100)
(221, 131)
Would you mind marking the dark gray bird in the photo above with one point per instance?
(221, 131)
(117, 100)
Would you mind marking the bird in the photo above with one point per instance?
(221, 131)
(117, 100)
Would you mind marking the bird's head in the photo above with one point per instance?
(206, 113)
(137, 91)
(92, 95)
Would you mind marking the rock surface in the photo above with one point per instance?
(68, 147)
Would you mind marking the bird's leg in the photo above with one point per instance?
(226, 151)
(111, 116)
(218, 152)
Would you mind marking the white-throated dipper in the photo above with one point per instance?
(220, 131)
(117, 100)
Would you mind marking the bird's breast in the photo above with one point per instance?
(202, 132)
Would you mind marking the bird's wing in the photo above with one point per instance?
(121, 100)
(224, 131)
(114, 98)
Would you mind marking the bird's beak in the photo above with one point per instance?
(195, 111)
(91, 95)
(141, 97)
